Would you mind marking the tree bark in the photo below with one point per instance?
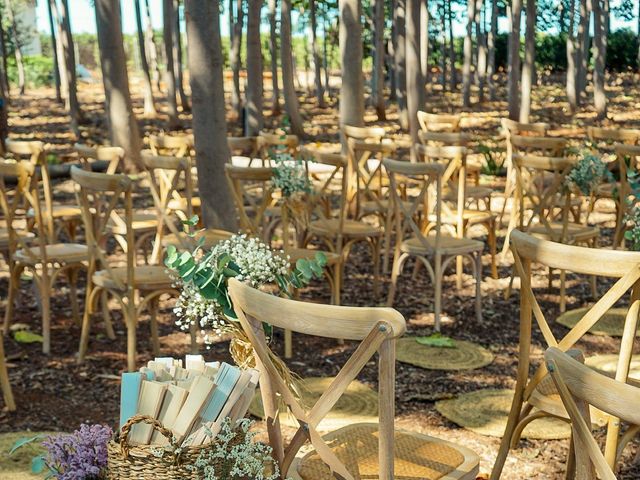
(600, 14)
(453, 79)
(209, 124)
(481, 71)
(62, 63)
(638, 35)
(513, 82)
(572, 96)
(424, 40)
(273, 50)
(290, 96)
(584, 42)
(352, 88)
(70, 61)
(325, 55)
(443, 45)
(234, 57)
(177, 59)
(4, 117)
(400, 50)
(254, 69)
(54, 52)
(168, 16)
(468, 47)
(415, 83)
(149, 106)
(3, 52)
(123, 126)
(378, 60)
(17, 48)
(152, 50)
(317, 63)
(528, 67)
(491, 47)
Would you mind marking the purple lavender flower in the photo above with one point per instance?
(81, 455)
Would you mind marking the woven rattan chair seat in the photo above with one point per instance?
(448, 245)
(575, 231)
(350, 228)
(60, 211)
(147, 278)
(211, 238)
(142, 221)
(296, 254)
(56, 253)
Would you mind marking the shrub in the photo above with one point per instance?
(38, 71)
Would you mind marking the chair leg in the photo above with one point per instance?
(395, 273)
(563, 288)
(459, 271)
(288, 344)
(153, 314)
(493, 248)
(337, 283)
(387, 243)
(193, 333)
(570, 472)
(5, 386)
(106, 315)
(375, 252)
(72, 278)
(45, 295)
(131, 322)
(14, 279)
(478, 272)
(438, 290)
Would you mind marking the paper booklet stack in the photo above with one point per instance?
(191, 400)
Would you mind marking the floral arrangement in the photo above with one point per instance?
(589, 172)
(290, 175)
(81, 455)
(203, 276)
(633, 215)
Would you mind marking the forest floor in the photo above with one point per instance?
(53, 393)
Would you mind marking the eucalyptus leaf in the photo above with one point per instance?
(25, 336)
(25, 441)
(436, 340)
(38, 465)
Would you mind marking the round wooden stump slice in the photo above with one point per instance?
(465, 355)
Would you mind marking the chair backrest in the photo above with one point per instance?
(171, 145)
(105, 198)
(169, 180)
(376, 329)
(252, 192)
(621, 266)
(270, 143)
(511, 127)
(628, 160)
(439, 122)
(540, 185)
(246, 147)
(113, 155)
(613, 135)
(444, 139)
(369, 134)
(547, 146)
(416, 191)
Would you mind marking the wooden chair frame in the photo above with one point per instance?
(624, 152)
(5, 385)
(171, 145)
(622, 266)
(267, 141)
(247, 146)
(376, 328)
(99, 196)
(439, 122)
(113, 155)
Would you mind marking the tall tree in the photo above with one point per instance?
(168, 17)
(584, 42)
(513, 80)
(468, 47)
(491, 50)
(424, 39)
(68, 48)
(60, 57)
(415, 83)
(528, 66)
(123, 126)
(352, 87)
(4, 117)
(481, 68)
(377, 78)
(443, 45)
(152, 49)
(254, 69)
(17, 46)
(572, 93)
(290, 96)
(600, 21)
(54, 52)
(149, 106)
(400, 51)
(234, 54)
(317, 63)
(273, 51)
(177, 58)
(453, 79)
(209, 124)
(4, 79)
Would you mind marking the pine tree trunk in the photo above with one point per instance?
(638, 36)
(177, 59)
(600, 14)
(415, 83)
(234, 58)
(168, 17)
(70, 60)
(290, 96)
(325, 55)
(123, 126)
(468, 47)
(149, 106)
(317, 63)
(60, 58)
(491, 47)
(209, 123)
(453, 79)
(378, 60)
(572, 96)
(400, 49)
(17, 46)
(152, 49)
(254, 69)
(443, 46)
(528, 67)
(273, 51)
(352, 88)
(54, 52)
(4, 79)
(584, 42)
(4, 117)
(424, 40)
(390, 62)
(513, 82)
(481, 71)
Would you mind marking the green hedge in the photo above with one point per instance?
(38, 71)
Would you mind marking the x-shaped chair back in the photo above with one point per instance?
(368, 134)
(269, 143)
(171, 145)
(439, 122)
(376, 329)
(416, 191)
(105, 198)
(623, 267)
(252, 192)
(541, 182)
(245, 147)
(113, 155)
(444, 139)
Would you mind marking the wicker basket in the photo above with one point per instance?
(142, 462)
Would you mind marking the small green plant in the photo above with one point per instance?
(632, 235)
(436, 340)
(588, 173)
(491, 165)
(53, 159)
(290, 175)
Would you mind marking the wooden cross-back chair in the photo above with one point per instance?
(114, 156)
(269, 143)
(419, 229)
(339, 454)
(455, 215)
(43, 256)
(439, 122)
(329, 220)
(105, 198)
(5, 385)
(368, 134)
(540, 182)
(607, 137)
(66, 217)
(172, 145)
(510, 128)
(628, 157)
(245, 151)
(580, 387)
(535, 390)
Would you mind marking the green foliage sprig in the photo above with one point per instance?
(589, 172)
(632, 235)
